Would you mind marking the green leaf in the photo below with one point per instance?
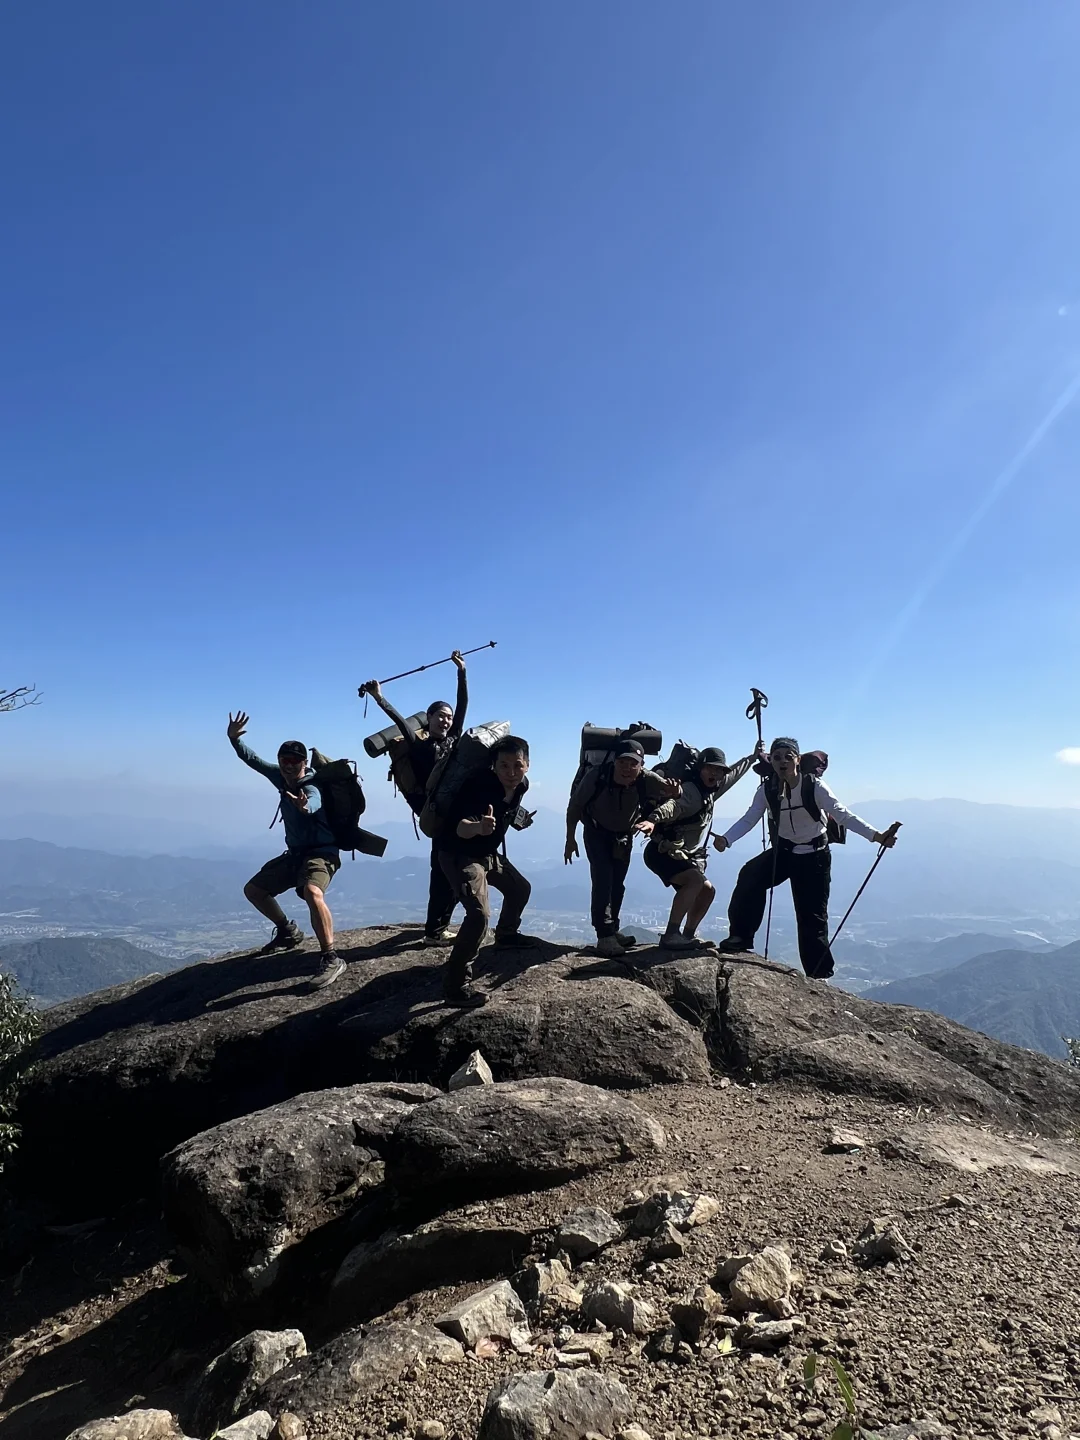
(843, 1431)
(843, 1380)
(809, 1370)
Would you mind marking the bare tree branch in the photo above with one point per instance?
(19, 698)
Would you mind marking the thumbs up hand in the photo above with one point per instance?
(487, 821)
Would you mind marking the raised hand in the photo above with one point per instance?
(487, 822)
(300, 799)
(372, 688)
(458, 659)
(238, 723)
(570, 851)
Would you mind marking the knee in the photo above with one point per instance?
(312, 892)
(709, 889)
(253, 893)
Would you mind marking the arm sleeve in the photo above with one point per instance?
(396, 716)
(746, 823)
(831, 806)
(580, 796)
(314, 799)
(735, 774)
(249, 758)
(688, 803)
(461, 705)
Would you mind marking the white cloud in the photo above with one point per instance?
(1070, 755)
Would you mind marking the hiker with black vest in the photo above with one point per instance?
(799, 806)
(468, 847)
(311, 858)
(418, 756)
(611, 801)
(679, 845)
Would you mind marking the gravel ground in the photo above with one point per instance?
(981, 1331)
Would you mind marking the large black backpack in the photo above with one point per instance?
(343, 803)
(835, 834)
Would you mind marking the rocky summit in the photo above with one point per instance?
(663, 1197)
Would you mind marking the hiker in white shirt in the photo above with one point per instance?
(798, 808)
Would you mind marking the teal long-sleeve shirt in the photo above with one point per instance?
(304, 829)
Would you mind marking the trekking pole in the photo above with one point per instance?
(432, 663)
(753, 712)
(893, 828)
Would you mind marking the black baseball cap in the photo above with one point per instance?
(292, 750)
(712, 755)
(628, 748)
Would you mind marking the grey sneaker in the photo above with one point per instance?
(331, 968)
(445, 936)
(677, 941)
(608, 946)
(285, 937)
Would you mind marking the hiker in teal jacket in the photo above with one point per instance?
(311, 858)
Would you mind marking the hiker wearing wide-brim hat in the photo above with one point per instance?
(612, 802)
(678, 848)
(798, 805)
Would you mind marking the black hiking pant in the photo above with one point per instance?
(609, 860)
(470, 880)
(810, 877)
(441, 898)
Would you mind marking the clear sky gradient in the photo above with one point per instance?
(678, 348)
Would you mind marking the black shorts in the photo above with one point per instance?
(668, 867)
(294, 870)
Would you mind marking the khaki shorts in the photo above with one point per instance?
(292, 871)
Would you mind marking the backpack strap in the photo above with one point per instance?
(809, 799)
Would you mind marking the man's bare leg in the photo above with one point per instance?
(265, 904)
(322, 922)
(699, 908)
(687, 888)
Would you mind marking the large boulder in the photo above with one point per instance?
(223, 1392)
(128, 1074)
(554, 1405)
(376, 1274)
(516, 1136)
(356, 1364)
(135, 1425)
(239, 1196)
(774, 1024)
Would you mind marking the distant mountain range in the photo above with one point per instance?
(1030, 1000)
(59, 969)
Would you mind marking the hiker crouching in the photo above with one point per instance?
(444, 725)
(612, 802)
(468, 849)
(311, 859)
(679, 846)
(798, 807)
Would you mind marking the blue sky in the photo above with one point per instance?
(674, 347)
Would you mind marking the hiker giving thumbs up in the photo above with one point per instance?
(487, 822)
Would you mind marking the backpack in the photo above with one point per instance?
(681, 764)
(834, 834)
(469, 753)
(343, 803)
(402, 774)
(598, 743)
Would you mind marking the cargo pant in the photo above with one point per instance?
(441, 898)
(810, 877)
(470, 879)
(609, 860)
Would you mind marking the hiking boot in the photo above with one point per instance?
(609, 947)
(331, 968)
(285, 937)
(516, 941)
(626, 941)
(445, 936)
(464, 997)
(734, 945)
(677, 941)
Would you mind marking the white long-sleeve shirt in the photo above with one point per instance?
(796, 822)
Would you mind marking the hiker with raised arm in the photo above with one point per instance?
(798, 806)
(311, 858)
(468, 845)
(416, 757)
(611, 801)
(678, 847)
